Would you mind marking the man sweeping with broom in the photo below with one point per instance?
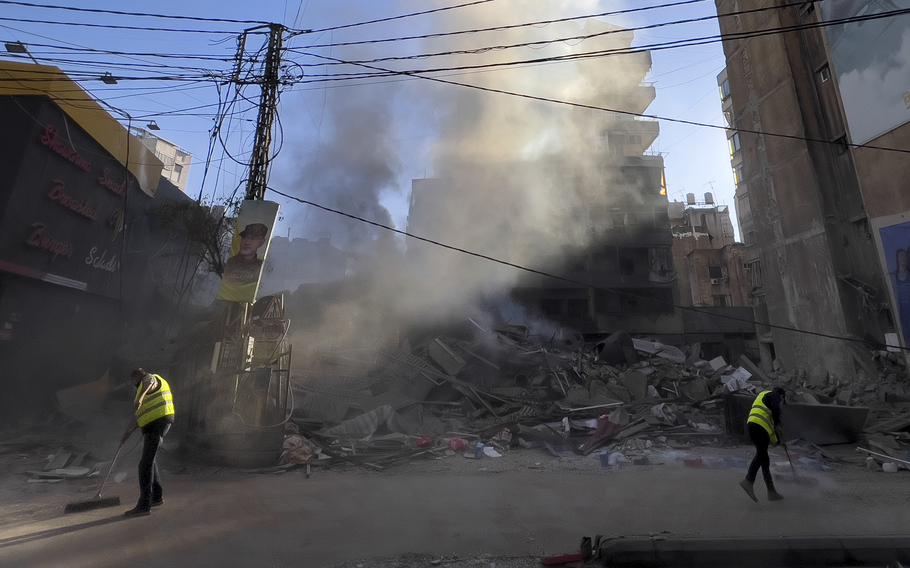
(763, 426)
(154, 414)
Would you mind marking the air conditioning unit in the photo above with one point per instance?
(716, 280)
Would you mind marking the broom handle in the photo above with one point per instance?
(790, 460)
(109, 470)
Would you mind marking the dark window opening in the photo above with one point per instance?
(551, 307)
(721, 300)
(824, 74)
(715, 272)
(626, 266)
(578, 308)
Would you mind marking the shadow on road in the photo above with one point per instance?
(49, 533)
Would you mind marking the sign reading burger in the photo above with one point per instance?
(252, 234)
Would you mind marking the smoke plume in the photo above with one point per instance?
(512, 178)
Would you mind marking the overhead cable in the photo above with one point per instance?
(504, 27)
(389, 19)
(126, 13)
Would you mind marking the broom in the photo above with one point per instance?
(97, 502)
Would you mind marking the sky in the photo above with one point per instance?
(696, 158)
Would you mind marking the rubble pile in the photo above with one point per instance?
(483, 394)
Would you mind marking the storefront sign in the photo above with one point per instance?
(50, 139)
(107, 181)
(58, 194)
(104, 261)
(39, 238)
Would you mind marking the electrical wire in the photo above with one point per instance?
(118, 26)
(625, 112)
(388, 19)
(673, 44)
(85, 49)
(577, 282)
(504, 27)
(125, 13)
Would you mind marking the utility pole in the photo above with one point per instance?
(258, 178)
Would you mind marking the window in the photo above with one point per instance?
(178, 170)
(753, 273)
(722, 300)
(725, 89)
(551, 307)
(824, 74)
(728, 116)
(578, 308)
(626, 265)
(735, 145)
(738, 174)
(715, 272)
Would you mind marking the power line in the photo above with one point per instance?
(614, 30)
(125, 13)
(567, 279)
(118, 26)
(504, 27)
(83, 49)
(388, 19)
(622, 112)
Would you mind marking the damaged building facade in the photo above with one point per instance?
(708, 260)
(825, 222)
(80, 280)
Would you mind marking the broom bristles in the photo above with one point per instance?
(91, 505)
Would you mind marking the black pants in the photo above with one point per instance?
(149, 479)
(761, 440)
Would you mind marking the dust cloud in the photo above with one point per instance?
(503, 176)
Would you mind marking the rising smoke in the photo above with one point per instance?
(508, 177)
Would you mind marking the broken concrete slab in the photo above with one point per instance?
(717, 363)
(667, 352)
(695, 390)
(823, 423)
(617, 349)
(58, 460)
(636, 382)
(445, 357)
(756, 371)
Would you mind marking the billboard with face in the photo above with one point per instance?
(252, 234)
(871, 60)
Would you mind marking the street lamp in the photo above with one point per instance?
(18, 48)
(108, 79)
(153, 126)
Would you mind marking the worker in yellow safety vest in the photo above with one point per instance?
(763, 426)
(154, 415)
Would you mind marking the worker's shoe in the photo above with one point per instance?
(137, 512)
(158, 503)
(750, 491)
(773, 495)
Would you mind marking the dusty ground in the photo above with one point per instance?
(514, 510)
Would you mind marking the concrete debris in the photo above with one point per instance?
(486, 392)
(717, 363)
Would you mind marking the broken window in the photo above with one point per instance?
(715, 272)
(551, 307)
(578, 308)
(725, 89)
(606, 302)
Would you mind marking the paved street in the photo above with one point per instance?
(336, 517)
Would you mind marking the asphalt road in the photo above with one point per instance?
(339, 517)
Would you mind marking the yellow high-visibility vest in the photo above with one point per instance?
(761, 415)
(157, 404)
